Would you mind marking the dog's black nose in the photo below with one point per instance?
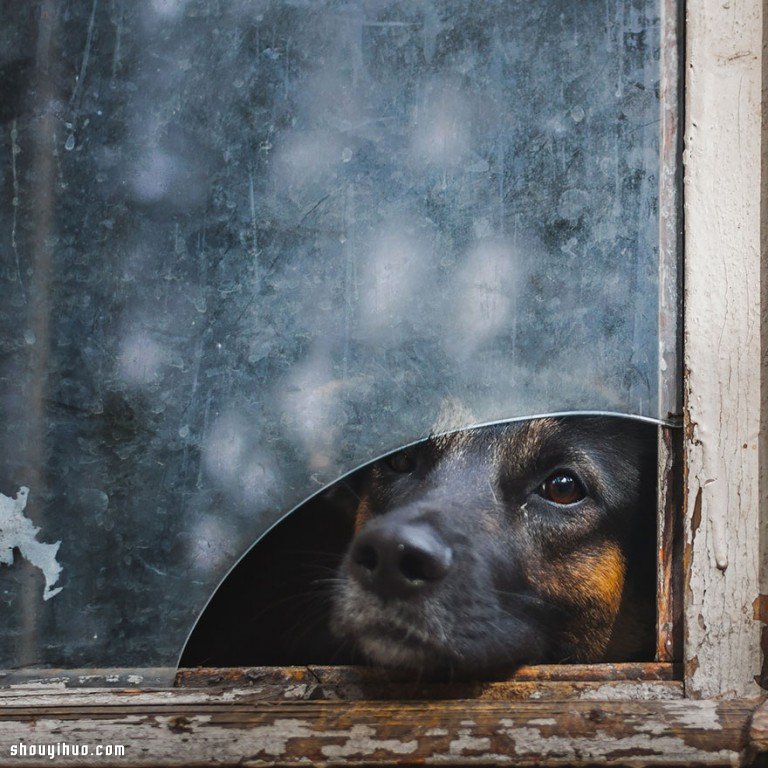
(399, 559)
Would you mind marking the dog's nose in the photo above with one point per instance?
(398, 560)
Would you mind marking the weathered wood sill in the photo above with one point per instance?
(315, 716)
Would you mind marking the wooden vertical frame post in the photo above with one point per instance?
(669, 520)
(669, 589)
(722, 190)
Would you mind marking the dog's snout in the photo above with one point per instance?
(398, 560)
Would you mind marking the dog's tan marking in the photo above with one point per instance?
(363, 513)
(592, 583)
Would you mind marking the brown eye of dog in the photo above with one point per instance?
(562, 488)
(402, 462)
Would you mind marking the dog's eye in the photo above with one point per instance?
(562, 488)
(402, 462)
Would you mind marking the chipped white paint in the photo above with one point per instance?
(651, 736)
(18, 532)
(273, 739)
(466, 742)
(58, 695)
(624, 691)
(155, 731)
(531, 742)
(723, 345)
(361, 740)
(296, 691)
(695, 714)
(488, 758)
(41, 686)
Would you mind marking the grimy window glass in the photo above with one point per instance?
(250, 245)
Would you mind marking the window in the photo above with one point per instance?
(145, 190)
(278, 242)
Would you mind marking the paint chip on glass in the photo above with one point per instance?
(19, 532)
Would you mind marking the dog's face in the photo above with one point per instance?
(522, 543)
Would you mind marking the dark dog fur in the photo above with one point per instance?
(466, 558)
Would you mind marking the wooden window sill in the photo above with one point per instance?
(595, 681)
(293, 716)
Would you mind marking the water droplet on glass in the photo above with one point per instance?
(69, 144)
(346, 154)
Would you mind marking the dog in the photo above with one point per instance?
(523, 543)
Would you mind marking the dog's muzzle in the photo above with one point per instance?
(398, 560)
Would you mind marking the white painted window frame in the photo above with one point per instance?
(725, 596)
(725, 335)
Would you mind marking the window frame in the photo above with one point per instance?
(725, 393)
(722, 592)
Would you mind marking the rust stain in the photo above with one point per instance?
(180, 724)
(696, 517)
(760, 613)
(760, 608)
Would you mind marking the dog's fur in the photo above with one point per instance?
(521, 578)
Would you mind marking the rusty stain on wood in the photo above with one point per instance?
(758, 736)
(243, 676)
(669, 597)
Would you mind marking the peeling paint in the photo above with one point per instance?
(466, 742)
(41, 686)
(198, 728)
(697, 714)
(297, 691)
(18, 532)
(628, 691)
(724, 402)
(531, 741)
(273, 739)
(361, 741)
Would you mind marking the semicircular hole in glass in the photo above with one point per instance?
(527, 542)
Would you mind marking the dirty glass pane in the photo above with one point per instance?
(249, 245)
